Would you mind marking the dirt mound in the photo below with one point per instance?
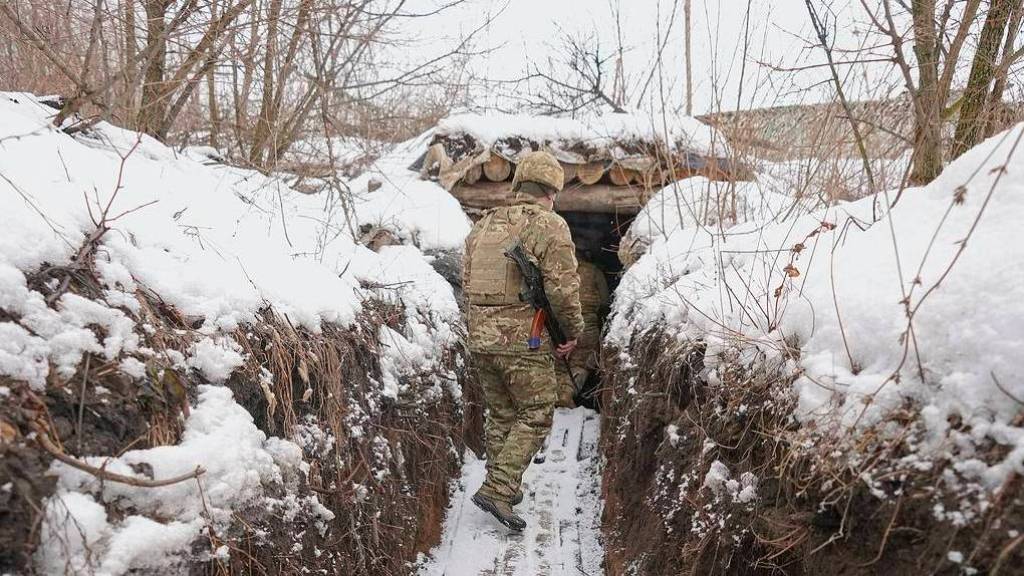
(718, 478)
(380, 466)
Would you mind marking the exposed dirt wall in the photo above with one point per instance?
(720, 479)
(381, 466)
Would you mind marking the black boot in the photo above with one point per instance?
(502, 511)
(542, 454)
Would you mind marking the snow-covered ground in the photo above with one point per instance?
(421, 212)
(219, 245)
(871, 313)
(562, 507)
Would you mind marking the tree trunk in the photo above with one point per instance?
(927, 107)
(266, 118)
(590, 173)
(689, 63)
(622, 200)
(995, 111)
(970, 128)
(211, 94)
(497, 169)
(153, 105)
(211, 97)
(241, 93)
(130, 46)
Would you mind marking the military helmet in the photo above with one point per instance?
(539, 167)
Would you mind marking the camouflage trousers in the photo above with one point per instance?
(583, 361)
(519, 392)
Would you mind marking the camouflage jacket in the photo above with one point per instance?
(498, 322)
(593, 290)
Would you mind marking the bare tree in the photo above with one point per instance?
(940, 33)
(979, 100)
(576, 80)
(268, 66)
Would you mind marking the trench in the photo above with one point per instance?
(628, 494)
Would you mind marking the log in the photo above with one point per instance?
(657, 177)
(473, 174)
(623, 176)
(436, 157)
(569, 170)
(590, 173)
(601, 198)
(497, 169)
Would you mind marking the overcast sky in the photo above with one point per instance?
(777, 32)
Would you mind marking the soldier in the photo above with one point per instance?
(584, 360)
(518, 383)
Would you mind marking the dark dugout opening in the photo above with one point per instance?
(597, 236)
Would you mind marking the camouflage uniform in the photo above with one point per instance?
(518, 383)
(584, 360)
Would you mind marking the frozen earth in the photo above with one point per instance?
(562, 506)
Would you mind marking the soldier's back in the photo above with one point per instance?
(497, 319)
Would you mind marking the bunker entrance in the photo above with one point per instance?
(597, 236)
(608, 176)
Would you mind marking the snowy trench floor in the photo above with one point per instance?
(562, 507)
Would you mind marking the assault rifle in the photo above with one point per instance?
(533, 293)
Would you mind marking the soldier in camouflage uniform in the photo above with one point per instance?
(518, 383)
(584, 360)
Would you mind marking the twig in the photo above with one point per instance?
(81, 400)
(885, 535)
(47, 444)
(1004, 553)
(1004, 390)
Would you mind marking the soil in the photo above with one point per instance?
(388, 487)
(663, 427)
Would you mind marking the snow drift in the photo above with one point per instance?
(607, 131)
(860, 361)
(947, 253)
(135, 281)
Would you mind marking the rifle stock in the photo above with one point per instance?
(533, 293)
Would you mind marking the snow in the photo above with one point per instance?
(561, 507)
(716, 477)
(421, 212)
(832, 283)
(222, 246)
(216, 359)
(348, 154)
(231, 476)
(165, 520)
(218, 243)
(695, 204)
(59, 335)
(719, 480)
(77, 523)
(606, 131)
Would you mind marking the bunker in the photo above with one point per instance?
(613, 164)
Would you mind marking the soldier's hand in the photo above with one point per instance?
(564, 350)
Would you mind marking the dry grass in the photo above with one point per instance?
(820, 507)
(387, 484)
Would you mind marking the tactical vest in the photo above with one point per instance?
(494, 280)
